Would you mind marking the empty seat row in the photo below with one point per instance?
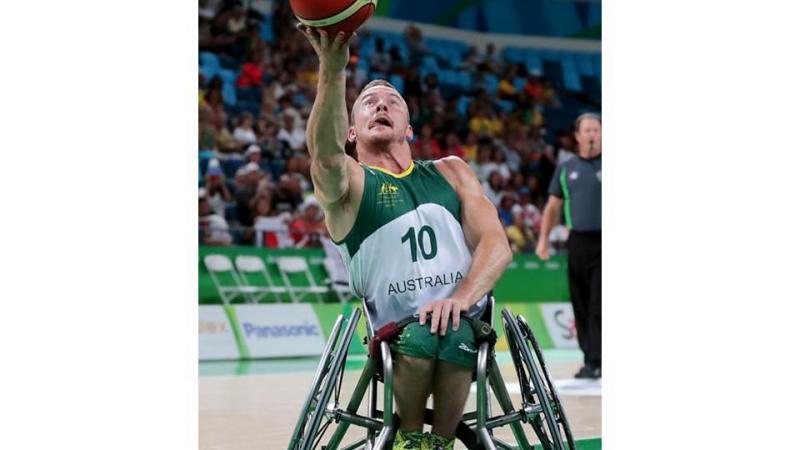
(248, 278)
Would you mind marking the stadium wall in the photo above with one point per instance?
(243, 332)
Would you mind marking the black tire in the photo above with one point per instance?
(533, 388)
(561, 415)
(309, 428)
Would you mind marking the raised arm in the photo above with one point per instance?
(326, 130)
(485, 235)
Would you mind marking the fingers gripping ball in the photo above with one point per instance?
(333, 16)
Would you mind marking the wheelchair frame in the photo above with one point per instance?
(541, 407)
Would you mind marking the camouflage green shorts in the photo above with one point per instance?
(456, 347)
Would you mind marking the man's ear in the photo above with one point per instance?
(351, 134)
(409, 133)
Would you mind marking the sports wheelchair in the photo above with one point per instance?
(540, 408)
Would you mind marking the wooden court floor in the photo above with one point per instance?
(259, 411)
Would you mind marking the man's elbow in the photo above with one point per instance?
(505, 255)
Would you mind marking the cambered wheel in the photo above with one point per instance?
(310, 427)
(545, 424)
(533, 344)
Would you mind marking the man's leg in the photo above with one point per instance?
(595, 308)
(451, 384)
(412, 385)
(579, 291)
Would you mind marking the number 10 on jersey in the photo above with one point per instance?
(417, 240)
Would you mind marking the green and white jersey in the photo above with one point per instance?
(407, 247)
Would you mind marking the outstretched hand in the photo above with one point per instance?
(333, 54)
(441, 311)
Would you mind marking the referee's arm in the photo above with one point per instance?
(551, 215)
(550, 218)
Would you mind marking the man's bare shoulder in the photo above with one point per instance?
(455, 170)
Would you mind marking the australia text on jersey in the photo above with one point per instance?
(420, 283)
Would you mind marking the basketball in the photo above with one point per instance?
(333, 16)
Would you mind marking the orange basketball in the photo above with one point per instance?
(333, 16)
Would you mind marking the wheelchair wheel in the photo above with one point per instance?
(546, 424)
(309, 429)
(561, 416)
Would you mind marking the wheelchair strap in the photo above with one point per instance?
(483, 332)
(387, 333)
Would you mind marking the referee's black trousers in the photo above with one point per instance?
(584, 266)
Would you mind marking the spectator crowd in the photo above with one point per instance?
(255, 184)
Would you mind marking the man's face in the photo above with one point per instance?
(589, 135)
(380, 116)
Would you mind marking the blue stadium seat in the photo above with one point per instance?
(549, 55)
(519, 83)
(210, 60)
(533, 62)
(398, 83)
(228, 76)
(584, 63)
(513, 54)
(597, 63)
(505, 105)
(208, 72)
(430, 63)
(266, 30)
(448, 77)
(572, 80)
(491, 83)
(228, 94)
(464, 79)
(453, 56)
(463, 104)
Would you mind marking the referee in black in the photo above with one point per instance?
(576, 186)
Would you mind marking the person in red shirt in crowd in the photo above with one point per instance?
(427, 146)
(252, 71)
(453, 146)
(309, 226)
(534, 87)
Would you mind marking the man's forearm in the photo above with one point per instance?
(326, 130)
(492, 256)
(549, 220)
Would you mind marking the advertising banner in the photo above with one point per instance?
(279, 330)
(560, 323)
(217, 340)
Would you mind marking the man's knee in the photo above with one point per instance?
(416, 365)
